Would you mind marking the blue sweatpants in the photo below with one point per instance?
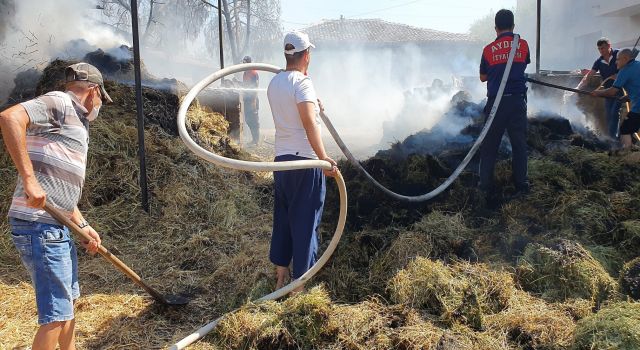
(512, 117)
(297, 211)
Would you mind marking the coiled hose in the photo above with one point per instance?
(304, 164)
(256, 166)
(463, 164)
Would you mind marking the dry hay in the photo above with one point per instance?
(204, 221)
(310, 320)
(625, 205)
(564, 271)
(363, 326)
(437, 235)
(460, 337)
(297, 322)
(616, 326)
(601, 171)
(428, 285)
(411, 175)
(531, 323)
(629, 279)
(577, 309)
(208, 235)
(348, 273)
(462, 292)
(585, 213)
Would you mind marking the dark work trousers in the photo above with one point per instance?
(612, 107)
(297, 211)
(251, 116)
(512, 117)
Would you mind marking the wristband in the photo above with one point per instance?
(83, 224)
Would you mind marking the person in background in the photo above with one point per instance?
(512, 112)
(47, 139)
(250, 101)
(629, 79)
(299, 194)
(606, 65)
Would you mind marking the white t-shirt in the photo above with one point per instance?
(286, 90)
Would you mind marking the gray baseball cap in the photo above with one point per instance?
(85, 72)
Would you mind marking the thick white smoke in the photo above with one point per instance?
(40, 31)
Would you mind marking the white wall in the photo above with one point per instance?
(570, 29)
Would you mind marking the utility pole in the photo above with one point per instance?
(220, 33)
(539, 10)
(139, 108)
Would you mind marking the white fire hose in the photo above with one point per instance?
(305, 164)
(256, 166)
(465, 161)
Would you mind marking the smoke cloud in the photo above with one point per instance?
(42, 30)
(376, 96)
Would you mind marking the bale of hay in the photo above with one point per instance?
(564, 271)
(616, 326)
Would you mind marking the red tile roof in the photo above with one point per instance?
(376, 31)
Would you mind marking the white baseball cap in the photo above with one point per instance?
(299, 41)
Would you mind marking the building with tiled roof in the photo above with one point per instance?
(378, 32)
(404, 53)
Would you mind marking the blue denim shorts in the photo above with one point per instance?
(48, 253)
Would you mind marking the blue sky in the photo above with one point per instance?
(452, 16)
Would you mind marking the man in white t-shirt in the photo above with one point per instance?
(299, 194)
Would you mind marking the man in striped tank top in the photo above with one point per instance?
(47, 139)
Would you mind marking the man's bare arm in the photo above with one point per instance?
(78, 219)
(307, 113)
(584, 79)
(13, 123)
(610, 92)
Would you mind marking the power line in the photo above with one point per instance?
(384, 9)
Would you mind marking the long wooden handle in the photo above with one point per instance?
(584, 92)
(64, 220)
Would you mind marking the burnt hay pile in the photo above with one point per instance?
(556, 270)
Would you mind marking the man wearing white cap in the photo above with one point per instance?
(299, 194)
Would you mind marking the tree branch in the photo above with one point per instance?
(210, 4)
